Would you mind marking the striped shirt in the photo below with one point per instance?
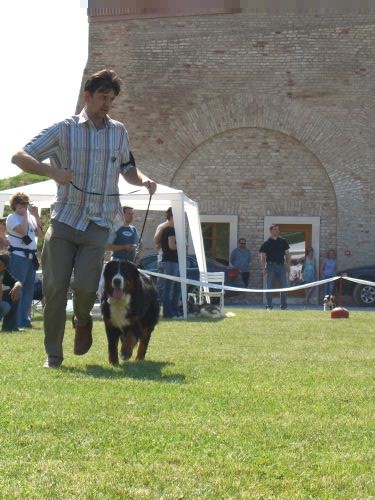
(96, 157)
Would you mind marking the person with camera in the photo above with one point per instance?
(23, 226)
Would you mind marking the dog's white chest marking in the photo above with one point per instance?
(119, 310)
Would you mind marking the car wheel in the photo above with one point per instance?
(364, 295)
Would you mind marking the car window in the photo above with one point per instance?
(192, 263)
(149, 263)
(214, 264)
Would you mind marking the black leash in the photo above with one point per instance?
(130, 163)
(118, 194)
(143, 228)
(101, 194)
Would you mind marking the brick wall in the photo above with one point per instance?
(262, 115)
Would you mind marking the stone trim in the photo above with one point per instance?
(100, 10)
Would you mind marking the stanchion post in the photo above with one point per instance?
(339, 312)
(340, 291)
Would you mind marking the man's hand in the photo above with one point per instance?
(151, 186)
(34, 211)
(61, 175)
(15, 292)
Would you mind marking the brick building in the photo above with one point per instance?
(260, 115)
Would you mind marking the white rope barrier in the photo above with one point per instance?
(253, 290)
(356, 280)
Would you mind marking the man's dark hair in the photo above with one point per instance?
(105, 81)
(169, 213)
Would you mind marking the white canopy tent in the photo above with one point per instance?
(43, 194)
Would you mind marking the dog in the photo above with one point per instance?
(205, 310)
(130, 309)
(329, 302)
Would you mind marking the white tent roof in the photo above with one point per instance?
(43, 194)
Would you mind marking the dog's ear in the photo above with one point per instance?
(130, 269)
(107, 272)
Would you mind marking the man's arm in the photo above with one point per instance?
(15, 292)
(39, 229)
(159, 233)
(31, 165)
(113, 248)
(172, 242)
(22, 228)
(135, 177)
(262, 262)
(16, 286)
(287, 259)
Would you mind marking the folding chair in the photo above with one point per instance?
(206, 293)
(37, 302)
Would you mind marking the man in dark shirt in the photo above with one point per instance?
(10, 290)
(274, 260)
(172, 289)
(124, 241)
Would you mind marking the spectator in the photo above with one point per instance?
(4, 242)
(309, 272)
(275, 263)
(172, 289)
(23, 225)
(10, 290)
(240, 259)
(88, 153)
(295, 272)
(160, 264)
(328, 270)
(125, 240)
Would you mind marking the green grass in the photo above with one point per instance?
(262, 405)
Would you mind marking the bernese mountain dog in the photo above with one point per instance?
(130, 309)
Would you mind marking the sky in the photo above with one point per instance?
(44, 47)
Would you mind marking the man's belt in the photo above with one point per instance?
(278, 263)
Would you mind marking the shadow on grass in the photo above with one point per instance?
(199, 319)
(143, 370)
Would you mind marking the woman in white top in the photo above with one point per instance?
(23, 225)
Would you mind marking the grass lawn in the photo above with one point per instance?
(263, 405)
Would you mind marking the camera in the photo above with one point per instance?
(26, 240)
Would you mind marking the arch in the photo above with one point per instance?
(323, 138)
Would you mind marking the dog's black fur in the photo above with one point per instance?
(130, 309)
(204, 310)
